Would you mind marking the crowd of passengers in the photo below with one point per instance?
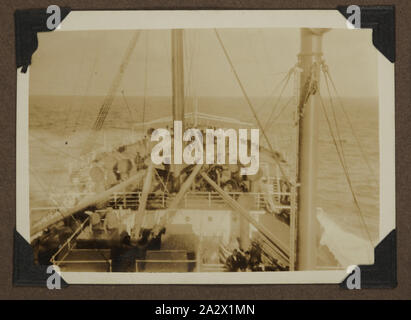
(250, 260)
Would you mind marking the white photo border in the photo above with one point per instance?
(130, 20)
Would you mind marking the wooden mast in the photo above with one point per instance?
(177, 79)
(177, 74)
(309, 61)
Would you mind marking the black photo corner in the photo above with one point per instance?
(28, 23)
(383, 274)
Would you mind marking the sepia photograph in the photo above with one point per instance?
(201, 149)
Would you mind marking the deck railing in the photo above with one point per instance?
(192, 199)
(68, 245)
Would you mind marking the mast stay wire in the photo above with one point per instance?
(97, 57)
(337, 129)
(287, 77)
(272, 122)
(267, 58)
(40, 183)
(286, 80)
(346, 173)
(57, 150)
(126, 104)
(251, 107)
(262, 69)
(54, 177)
(342, 153)
(50, 147)
(43, 187)
(327, 74)
(104, 109)
(74, 98)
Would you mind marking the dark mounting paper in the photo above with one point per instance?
(27, 23)
(383, 273)
(25, 271)
(381, 19)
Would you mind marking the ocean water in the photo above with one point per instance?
(58, 126)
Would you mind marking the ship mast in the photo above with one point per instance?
(308, 107)
(177, 74)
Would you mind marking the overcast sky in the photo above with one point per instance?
(86, 62)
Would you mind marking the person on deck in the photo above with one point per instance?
(141, 247)
(96, 224)
(155, 241)
(123, 255)
(236, 261)
(255, 256)
(242, 261)
(111, 223)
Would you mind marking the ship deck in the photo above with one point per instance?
(186, 238)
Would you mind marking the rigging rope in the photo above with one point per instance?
(89, 82)
(327, 74)
(76, 89)
(161, 181)
(276, 87)
(270, 96)
(272, 122)
(40, 183)
(65, 154)
(108, 100)
(43, 187)
(145, 82)
(126, 103)
(49, 147)
(336, 124)
(346, 173)
(251, 107)
(285, 80)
